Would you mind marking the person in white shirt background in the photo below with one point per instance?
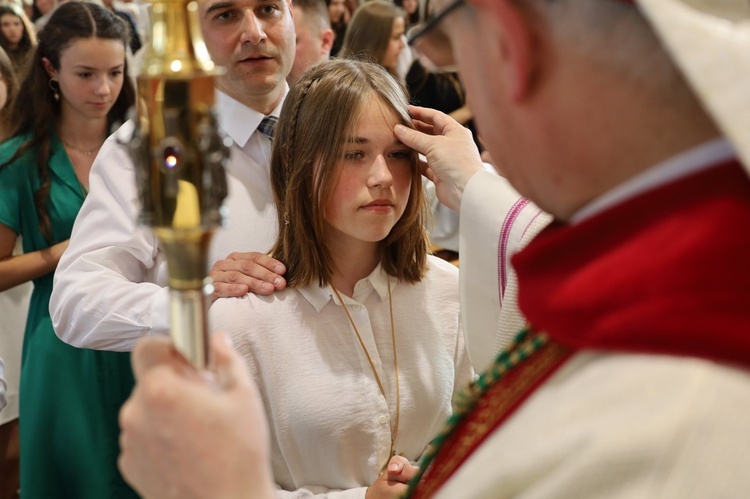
(358, 359)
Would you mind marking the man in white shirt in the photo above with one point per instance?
(110, 284)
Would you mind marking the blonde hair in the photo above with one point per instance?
(319, 113)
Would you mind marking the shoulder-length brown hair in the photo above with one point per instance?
(369, 31)
(319, 113)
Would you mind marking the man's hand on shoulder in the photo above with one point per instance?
(242, 273)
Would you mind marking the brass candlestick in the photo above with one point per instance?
(179, 157)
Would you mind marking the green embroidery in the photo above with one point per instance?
(521, 348)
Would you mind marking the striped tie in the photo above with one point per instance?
(268, 126)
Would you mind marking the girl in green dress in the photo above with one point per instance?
(76, 90)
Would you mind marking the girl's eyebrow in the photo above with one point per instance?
(83, 66)
(365, 140)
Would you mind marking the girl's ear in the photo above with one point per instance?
(49, 68)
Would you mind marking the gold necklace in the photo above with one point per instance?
(394, 428)
(86, 152)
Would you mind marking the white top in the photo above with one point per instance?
(330, 426)
(14, 308)
(496, 222)
(110, 283)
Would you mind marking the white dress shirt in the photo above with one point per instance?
(110, 283)
(330, 425)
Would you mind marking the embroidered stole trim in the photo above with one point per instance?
(497, 404)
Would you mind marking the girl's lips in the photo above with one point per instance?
(379, 206)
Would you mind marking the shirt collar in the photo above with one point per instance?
(691, 161)
(238, 120)
(319, 296)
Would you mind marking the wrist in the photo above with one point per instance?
(460, 185)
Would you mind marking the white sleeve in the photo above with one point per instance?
(494, 221)
(107, 292)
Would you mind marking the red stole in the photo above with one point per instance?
(666, 272)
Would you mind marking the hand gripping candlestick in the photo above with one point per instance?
(179, 159)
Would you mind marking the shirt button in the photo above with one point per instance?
(356, 307)
(383, 420)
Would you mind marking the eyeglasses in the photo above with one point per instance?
(432, 43)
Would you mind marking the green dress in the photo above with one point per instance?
(69, 397)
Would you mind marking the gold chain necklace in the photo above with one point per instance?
(86, 152)
(394, 428)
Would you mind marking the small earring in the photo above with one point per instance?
(55, 88)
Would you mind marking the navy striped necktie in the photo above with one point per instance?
(268, 126)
